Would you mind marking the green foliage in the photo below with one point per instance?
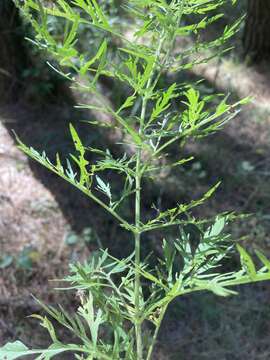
(25, 260)
(118, 297)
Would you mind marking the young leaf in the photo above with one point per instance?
(101, 52)
(163, 103)
(82, 162)
(103, 187)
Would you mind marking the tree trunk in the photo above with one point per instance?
(12, 52)
(257, 30)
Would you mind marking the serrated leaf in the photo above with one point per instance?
(103, 187)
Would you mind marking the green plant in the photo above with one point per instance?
(118, 297)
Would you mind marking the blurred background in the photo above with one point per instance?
(45, 224)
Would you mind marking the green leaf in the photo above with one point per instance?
(71, 239)
(94, 321)
(195, 106)
(219, 290)
(5, 261)
(194, 236)
(217, 227)
(59, 166)
(25, 259)
(138, 53)
(92, 8)
(263, 259)
(103, 187)
(163, 102)
(13, 350)
(132, 132)
(77, 141)
(150, 277)
(101, 51)
(169, 256)
(17, 349)
(136, 137)
(174, 291)
(128, 103)
(171, 215)
(247, 262)
(245, 101)
(82, 162)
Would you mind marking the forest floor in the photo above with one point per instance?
(45, 224)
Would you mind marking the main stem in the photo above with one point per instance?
(137, 236)
(138, 325)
